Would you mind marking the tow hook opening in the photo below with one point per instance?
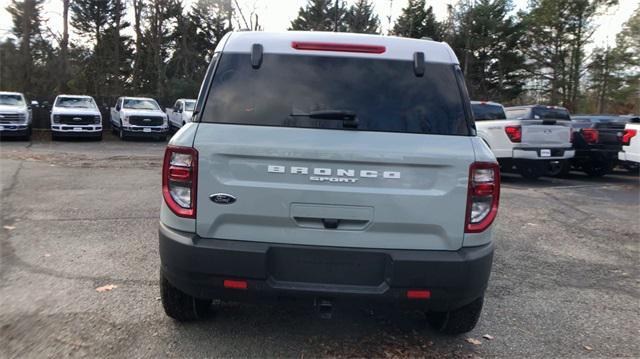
(324, 306)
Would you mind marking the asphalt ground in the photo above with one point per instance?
(80, 215)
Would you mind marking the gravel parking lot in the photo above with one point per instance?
(81, 215)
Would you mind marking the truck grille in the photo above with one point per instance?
(11, 117)
(146, 120)
(79, 119)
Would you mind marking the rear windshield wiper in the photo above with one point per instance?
(349, 118)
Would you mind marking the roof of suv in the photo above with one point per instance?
(394, 48)
(536, 105)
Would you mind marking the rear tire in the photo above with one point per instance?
(597, 168)
(456, 321)
(181, 306)
(529, 172)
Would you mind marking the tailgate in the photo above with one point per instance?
(610, 134)
(536, 133)
(333, 188)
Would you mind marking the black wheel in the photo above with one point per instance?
(457, 321)
(54, 137)
(597, 168)
(554, 168)
(99, 137)
(529, 172)
(181, 306)
(27, 136)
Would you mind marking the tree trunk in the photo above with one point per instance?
(64, 49)
(137, 12)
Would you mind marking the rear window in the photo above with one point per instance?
(541, 113)
(384, 95)
(484, 112)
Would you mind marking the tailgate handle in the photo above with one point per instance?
(330, 223)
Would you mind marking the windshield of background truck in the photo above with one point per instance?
(189, 105)
(11, 100)
(385, 95)
(138, 104)
(485, 111)
(75, 102)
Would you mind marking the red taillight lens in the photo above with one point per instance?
(235, 284)
(325, 46)
(483, 196)
(418, 294)
(590, 135)
(179, 180)
(514, 133)
(628, 135)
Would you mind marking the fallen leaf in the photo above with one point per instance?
(488, 337)
(473, 341)
(588, 348)
(9, 227)
(106, 288)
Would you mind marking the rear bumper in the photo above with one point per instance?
(628, 157)
(535, 153)
(198, 266)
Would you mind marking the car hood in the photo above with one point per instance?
(74, 111)
(7, 108)
(132, 112)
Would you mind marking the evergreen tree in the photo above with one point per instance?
(418, 21)
(361, 18)
(489, 43)
(319, 15)
(27, 21)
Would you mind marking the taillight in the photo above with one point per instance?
(590, 135)
(514, 133)
(179, 180)
(483, 196)
(628, 135)
(325, 46)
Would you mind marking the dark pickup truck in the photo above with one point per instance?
(597, 140)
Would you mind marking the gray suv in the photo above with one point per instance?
(329, 167)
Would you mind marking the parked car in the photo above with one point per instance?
(75, 116)
(630, 153)
(533, 140)
(15, 115)
(181, 112)
(139, 117)
(329, 166)
(597, 140)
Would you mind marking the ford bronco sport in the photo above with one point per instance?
(328, 167)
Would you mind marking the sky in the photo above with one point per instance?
(276, 15)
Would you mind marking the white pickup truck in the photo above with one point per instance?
(535, 140)
(140, 117)
(75, 116)
(630, 154)
(15, 115)
(181, 112)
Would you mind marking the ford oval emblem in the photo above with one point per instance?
(222, 198)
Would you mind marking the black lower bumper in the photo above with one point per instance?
(14, 133)
(77, 134)
(142, 134)
(199, 267)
